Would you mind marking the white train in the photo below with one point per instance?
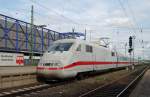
(71, 57)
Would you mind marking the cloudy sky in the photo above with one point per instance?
(116, 19)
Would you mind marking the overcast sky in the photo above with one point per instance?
(116, 19)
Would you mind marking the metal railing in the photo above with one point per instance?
(15, 36)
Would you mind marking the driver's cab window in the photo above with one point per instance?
(78, 48)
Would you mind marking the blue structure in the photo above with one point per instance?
(15, 36)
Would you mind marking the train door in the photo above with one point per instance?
(114, 59)
(89, 57)
(84, 56)
(100, 58)
(78, 56)
(117, 59)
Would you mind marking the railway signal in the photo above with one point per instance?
(130, 50)
(130, 41)
(130, 44)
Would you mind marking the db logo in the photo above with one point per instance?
(19, 60)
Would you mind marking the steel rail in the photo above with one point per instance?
(114, 89)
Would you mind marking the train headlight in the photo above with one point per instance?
(53, 64)
(56, 64)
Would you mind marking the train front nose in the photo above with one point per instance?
(52, 65)
(50, 70)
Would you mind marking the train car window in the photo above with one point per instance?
(89, 48)
(79, 48)
(112, 53)
(60, 47)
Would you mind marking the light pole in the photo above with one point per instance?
(125, 49)
(90, 34)
(31, 27)
(133, 47)
(85, 35)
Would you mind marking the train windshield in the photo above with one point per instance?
(60, 47)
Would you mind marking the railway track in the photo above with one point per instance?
(118, 88)
(32, 88)
(37, 87)
(15, 92)
(110, 89)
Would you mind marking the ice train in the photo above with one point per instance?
(68, 58)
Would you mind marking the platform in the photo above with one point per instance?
(16, 70)
(16, 76)
(143, 87)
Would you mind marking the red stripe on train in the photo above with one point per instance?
(82, 63)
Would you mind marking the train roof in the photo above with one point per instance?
(71, 40)
(81, 41)
(86, 42)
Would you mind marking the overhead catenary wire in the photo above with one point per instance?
(23, 11)
(49, 9)
(67, 18)
(126, 14)
(139, 28)
(134, 19)
(62, 16)
(133, 16)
